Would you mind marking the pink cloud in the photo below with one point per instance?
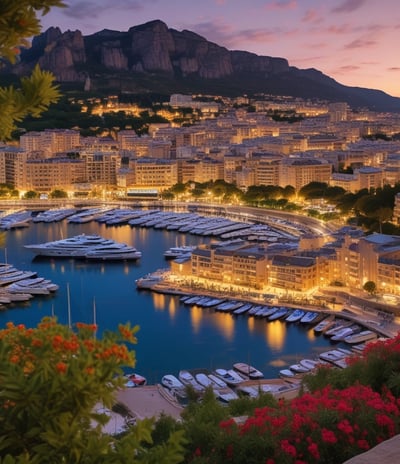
(394, 68)
(360, 43)
(225, 34)
(311, 16)
(346, 69)
(95, 8)
(281, 5)
(348, 6)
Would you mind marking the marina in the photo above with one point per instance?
(191, 333)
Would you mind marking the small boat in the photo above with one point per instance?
(298, 368)
(204, 380)
(278, 314)
(309, 317)
(187, 379)
(361, 337)
(295, 316)
(343, 333)
(309, 364)
(325, 324)
(176, 252)
(134, 380)
(242, 309)
(332, 355)
(286, 373)
(231, 377)
(247, 370)
(171, 382)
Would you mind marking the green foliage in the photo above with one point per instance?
(31, 194)
(19, 20)
(58, 193)
(370, 287)
(53, 379)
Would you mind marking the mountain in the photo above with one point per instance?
(154, 58)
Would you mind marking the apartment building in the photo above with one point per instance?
(51, 140)
(44, 175)
(101, 167)
(232, 265)
(199, 170)
(150, 173)
(299, 172)
(12, 166)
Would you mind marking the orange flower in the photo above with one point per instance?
(14, 359)
(61, 367)
(90, 370)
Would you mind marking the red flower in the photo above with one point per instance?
(328, 436)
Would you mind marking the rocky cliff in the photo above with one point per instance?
(153, 57)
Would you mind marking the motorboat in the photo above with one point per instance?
(309, 364)
(231, 377)
(148, 281)
(242, 309)
(247, 370)
(187, 379)
(53, 215)
(134, 380)
(16, 276)
(332, 355)
(298, 368)
(325, 324)
(171, 382)
(176, 252)
(33, 286)
(295, 316)
(345, 332)
(278, 314)
(15, 220)
(309, 317)
(286, 373)
(361, 337)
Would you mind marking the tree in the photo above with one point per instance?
(58, 193)
(370, 287)
(31, 194)
(36, 92)
(52, 378)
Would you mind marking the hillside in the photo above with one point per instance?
(154, 58)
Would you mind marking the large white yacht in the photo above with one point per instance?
(85, 246)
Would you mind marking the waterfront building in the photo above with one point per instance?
(294, 273)
(236, 264)
(154, 173)
(43, 175)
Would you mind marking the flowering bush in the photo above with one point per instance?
(51, 379)
(328, 426)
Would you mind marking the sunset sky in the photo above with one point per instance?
(354, 41)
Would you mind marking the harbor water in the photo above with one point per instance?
(172, 336)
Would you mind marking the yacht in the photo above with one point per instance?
(113, 251)
(175, 252)
(85, 246)
(15, 220)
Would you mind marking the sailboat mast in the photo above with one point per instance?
(69, 307)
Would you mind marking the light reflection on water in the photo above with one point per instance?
(171, 336)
